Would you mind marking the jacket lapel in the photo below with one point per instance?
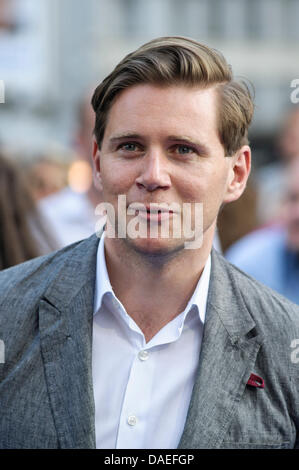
(65, 325)
(228, 354)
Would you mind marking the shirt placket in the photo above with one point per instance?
(135, 411)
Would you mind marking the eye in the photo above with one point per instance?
(129, 147)
(184, 149)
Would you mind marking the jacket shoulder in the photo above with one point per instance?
(266, 306)
(32, 276)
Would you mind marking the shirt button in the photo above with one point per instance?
(132, 420)
(143, 355)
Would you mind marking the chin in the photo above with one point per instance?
(158, 247)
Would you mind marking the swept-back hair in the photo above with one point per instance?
(169, 61)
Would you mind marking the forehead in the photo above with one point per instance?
(149, 108)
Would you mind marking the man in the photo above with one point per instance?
(154, 340)
(277, 245)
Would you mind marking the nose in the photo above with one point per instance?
(154, 172)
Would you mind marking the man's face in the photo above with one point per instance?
(161, 146)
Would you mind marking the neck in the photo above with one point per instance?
(154, 289)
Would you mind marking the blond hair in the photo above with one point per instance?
(177, 60)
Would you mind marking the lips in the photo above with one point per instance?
(159, 211)
(153, 212)
(151, 208)
(156, 216)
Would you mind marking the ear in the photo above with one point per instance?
(97, 168)
(239, 171)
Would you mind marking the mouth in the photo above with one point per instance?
(152, 212)
(155, 216)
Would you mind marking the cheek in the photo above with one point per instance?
(116, 178)
(190, 184)
(204, 187)
(189, 190)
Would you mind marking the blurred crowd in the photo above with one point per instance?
(47, 203)
(265, 242)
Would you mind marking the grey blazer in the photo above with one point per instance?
(46, 393)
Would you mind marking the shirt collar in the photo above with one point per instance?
(103, 285)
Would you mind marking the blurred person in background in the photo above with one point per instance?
(23, 235)
(271, 254)
(288, 142)
(239, 218)
(71, 211)
(261, 204)
(270, 179)
(47, 176)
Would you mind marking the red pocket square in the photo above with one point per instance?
(256, 381)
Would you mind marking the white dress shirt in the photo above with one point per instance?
(142, 390)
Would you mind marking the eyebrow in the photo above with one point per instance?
(129, 135)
